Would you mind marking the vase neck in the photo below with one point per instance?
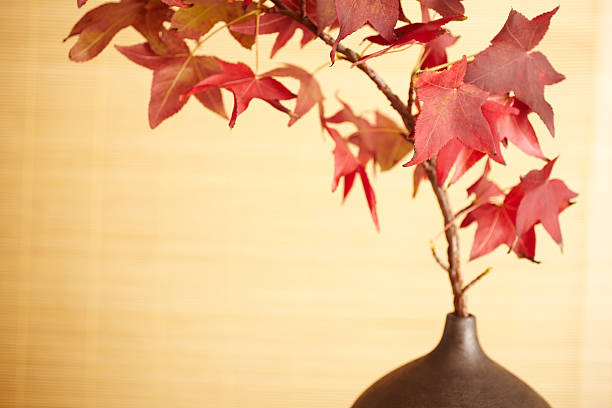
(459, 337)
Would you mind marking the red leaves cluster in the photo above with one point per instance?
(536, 199)
(466, 110)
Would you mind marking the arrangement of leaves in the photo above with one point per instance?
(457, 113)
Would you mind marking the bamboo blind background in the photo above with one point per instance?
(192, 266)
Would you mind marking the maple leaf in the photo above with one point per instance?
(382, 141)
(325, 14)
(196, 21)
(419, 175)
(456, 154)
(98, 27)
(347, 166)
(496, 224)
(509, 122)
(435, 50)
(177, 3)
(309, 93)
(174, 76)
(444, 7)
(543, 201)
(275, 23)
(240, 80)
(409, 34)
(507, 65)
(352, 14)
(451, 109)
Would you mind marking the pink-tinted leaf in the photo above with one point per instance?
(484, 189)
(309, 93)
(352, 14)
(445, 7)
(81, 3)
(240, 80)
(435, 50)
(543, 201)
(507, 66)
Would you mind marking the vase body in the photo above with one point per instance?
(456, 374)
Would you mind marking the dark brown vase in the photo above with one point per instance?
(456, 374)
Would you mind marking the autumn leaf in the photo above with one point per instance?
(347, 166)
(418, 176)
(174, 76)
(382, 141)
(177, 3)
(496, 223)
(196, 21)
(309, 93)
(451, 109)
(508, 66)
(409, 34)
(352, 14)
(245, 86)
(543, 201)
(98, 27)
(274, 23)
(456, 154)
(81, 3)
(434, 53)
(325, 14)
(445, 7)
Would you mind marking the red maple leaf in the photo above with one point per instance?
(451, 109)
(309, 93)
(352, 14)
(542, 202)
(174, 76)
(410, 34)
(445, 7)
(497, 222)
(347, 166)
(244, 85)
(507, 64)
(509, 122)
(434, 53)
(274, 23)
(381, 141)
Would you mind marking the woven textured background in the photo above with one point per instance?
(192, 266)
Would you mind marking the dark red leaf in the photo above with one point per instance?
(410, 34)
(484, 189)
(274, 23)
(347, 166)
(241, 81)
(507, 66)
(435, 50)
(451, 109)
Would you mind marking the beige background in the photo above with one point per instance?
(192, 266)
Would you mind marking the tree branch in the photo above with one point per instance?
(454, 265)
(476, 279)
(353, 57)
(454, 272)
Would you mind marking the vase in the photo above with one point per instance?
(456, 374)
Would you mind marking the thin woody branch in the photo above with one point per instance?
(437, 258)
(453, 268)
(353, 57)
(476, 279)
